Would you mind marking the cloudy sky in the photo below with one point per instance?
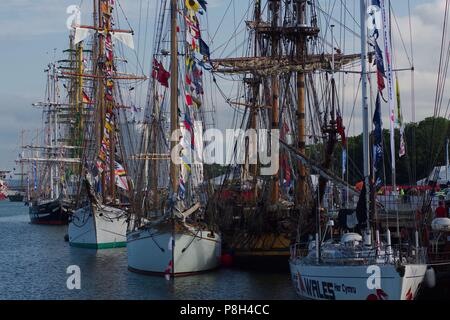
(33, 32)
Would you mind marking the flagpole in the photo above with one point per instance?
(365, 107)
(174, 170)
(174, 91)
(390, 78)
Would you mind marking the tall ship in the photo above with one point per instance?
(46, 157)
(259, 210)
(99, 217)
(294, 88)
(170, 232)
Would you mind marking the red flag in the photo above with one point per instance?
(341, 130)
(160, 74)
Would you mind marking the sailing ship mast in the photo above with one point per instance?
(22, 141)
(301, 54)
(174, 126)
(365, 109)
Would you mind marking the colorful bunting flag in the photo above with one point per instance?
(192, 5)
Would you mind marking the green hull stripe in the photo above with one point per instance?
(109, 245)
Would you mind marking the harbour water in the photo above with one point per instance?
(34, 260)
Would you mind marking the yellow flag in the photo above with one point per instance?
(108, 126)
(193, 5)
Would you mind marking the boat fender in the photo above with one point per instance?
(351, 238)
(226, 260)
(430, 278)
(401, 270)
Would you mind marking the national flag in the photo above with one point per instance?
(379, 62)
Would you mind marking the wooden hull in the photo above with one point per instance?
(48, 213)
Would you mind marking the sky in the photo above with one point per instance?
(33, 33)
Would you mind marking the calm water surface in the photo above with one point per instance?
(34, 259)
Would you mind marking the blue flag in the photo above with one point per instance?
(377, 137)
